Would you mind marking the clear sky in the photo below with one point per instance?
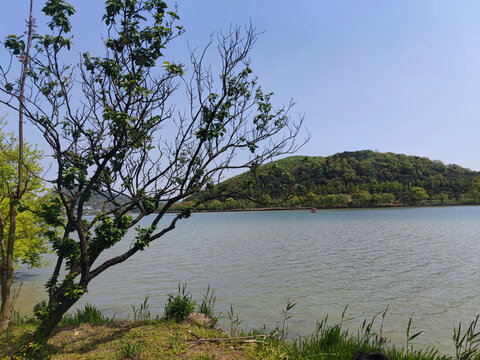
(399, 76)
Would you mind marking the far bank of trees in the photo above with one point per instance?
(358, 199)
(361, 178)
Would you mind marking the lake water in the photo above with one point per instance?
(421, 262)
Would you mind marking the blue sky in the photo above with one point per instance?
(399, 76)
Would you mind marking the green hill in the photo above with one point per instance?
(354, 178)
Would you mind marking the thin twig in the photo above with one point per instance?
(241, 340)
(253, 338)
(192, 333)
(321, 354)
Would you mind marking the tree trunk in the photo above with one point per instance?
(8, 269)
(6, 285)
(49, 323)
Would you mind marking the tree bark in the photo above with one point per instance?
(6, 285)
(8, 270)
(48, 324)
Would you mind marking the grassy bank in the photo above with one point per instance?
(150, 339)
(87, 334)
(159, 339)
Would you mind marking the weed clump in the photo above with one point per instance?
(179, 305)
(142, 312)
(129, 350)
(206, 307)
(90, 314)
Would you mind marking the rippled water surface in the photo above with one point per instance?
(421, 262)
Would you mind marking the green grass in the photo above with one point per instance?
(90, 335)
(88, 315)
(142, 312)
(160, 339)
(334, 342)
(129, 350)
(207, 306)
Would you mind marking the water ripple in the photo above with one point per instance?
(416, 261)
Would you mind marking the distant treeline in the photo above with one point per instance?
(360, 178)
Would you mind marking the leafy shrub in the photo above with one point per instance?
(179, 306)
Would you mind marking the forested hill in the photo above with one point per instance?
(360, 177)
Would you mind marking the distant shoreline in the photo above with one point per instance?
(304, 208)
(383, 206)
